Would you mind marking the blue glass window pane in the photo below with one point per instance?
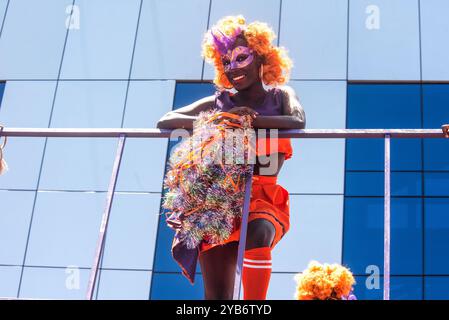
(436, 153)
(436, 236)
(14, 224)
(372, 184)
(282, 286)
(89, 104)
(142, 167)
(83, 163)
(124, 285)
(78, 164)
(434, 31)
(169, 40)
(23, 172)
(65, 228)
(2, 89)
(436, 288)
(143, 160)
(260, 10)
(365, 154)
(102, 46)
(401, 288)
(436, 113)
(25, 104)
(322, 110)
(312, 170)
(435, 101)
(174, 286)
(436, 184)
(55, 283)
(3, 5)
(374, 52)
(148, 101)
(26, 53)
(311, 215)
(368, 154)
(312, 29)
(131, 234)
(406, 183)
(9, 279)
(377, 106)
(384, 106)
(186, 93)
(363, 234)
(406, 288)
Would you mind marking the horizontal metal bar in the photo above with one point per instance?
(14, 298)
(166, 133)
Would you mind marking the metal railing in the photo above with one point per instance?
(122, 134)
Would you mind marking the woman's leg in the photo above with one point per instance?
(260, 233)
(256, 272)
(218, 266)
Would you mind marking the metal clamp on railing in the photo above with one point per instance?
(3, 165)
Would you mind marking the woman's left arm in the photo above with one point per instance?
(293, 115)
(445, 128)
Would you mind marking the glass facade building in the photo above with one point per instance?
(125, 63)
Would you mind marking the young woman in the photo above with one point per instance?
(244, 59)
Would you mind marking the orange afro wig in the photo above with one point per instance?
(324, 282)
(276, 65)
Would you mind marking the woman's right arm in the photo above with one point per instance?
(185, 116)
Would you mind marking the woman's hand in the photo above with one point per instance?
(445, 128)
(240, 111)
(243, 111)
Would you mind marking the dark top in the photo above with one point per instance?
(271, 106)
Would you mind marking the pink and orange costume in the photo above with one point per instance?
(268, 201)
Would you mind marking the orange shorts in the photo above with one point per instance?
(268, 201)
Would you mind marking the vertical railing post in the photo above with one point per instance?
(105, 218)
(242, 240)
(387, 224)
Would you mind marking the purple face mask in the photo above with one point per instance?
(239, 57)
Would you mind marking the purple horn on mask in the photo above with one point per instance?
(223, 42)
